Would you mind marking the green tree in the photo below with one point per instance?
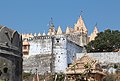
(106, 41)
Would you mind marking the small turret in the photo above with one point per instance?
(71, 29)
(93, 34)
(59, 31)
(31, 35)
(35, 34)
(67, 30)
(27, 36)
(39, 34)
(44, 34)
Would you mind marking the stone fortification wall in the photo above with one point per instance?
(78, 38)
(40, 45)
(74, 37)
(39, 62)
(104, 57)
(72, 49)
(65, 52)
(62, 52)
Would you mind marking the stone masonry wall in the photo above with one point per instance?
(104, 57)
(10, 55)
(39, 62)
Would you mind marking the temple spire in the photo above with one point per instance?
(80, 26)
(94, 33)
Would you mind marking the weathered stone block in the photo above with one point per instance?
(10, 55)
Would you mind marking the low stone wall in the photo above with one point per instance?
(103, 57)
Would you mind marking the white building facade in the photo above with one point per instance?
(62, 50)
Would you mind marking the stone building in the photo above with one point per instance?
(62, 46)
(46, 50)
(10, 55)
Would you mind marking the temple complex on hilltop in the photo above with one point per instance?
(56, 48)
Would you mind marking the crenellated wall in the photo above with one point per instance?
(40, 45)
